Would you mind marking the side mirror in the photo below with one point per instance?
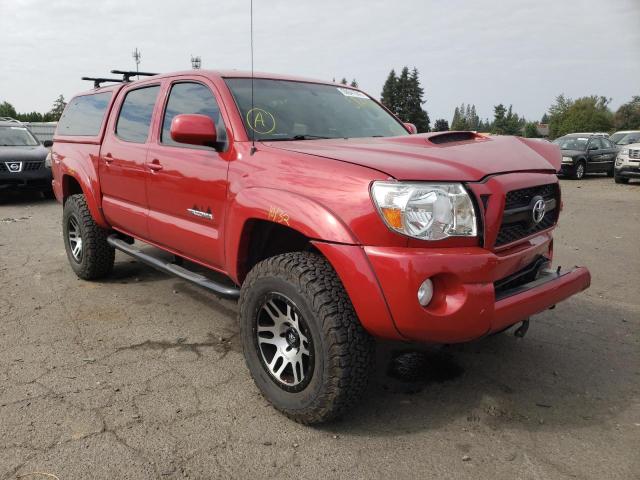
(411, 127)
(593, 147)
(47, 143)
(194, 129)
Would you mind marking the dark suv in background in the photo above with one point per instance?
(23, 159)
(584, 153)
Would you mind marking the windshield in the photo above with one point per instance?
(16, 137)
(287, 110)
(616, 137)
(572, 143)
(629, 138)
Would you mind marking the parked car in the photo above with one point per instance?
(628, 163)
(586, 153)
(22, 159)
(634, 136)
(331, 222)
(626, 138)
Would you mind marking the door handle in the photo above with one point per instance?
(154, 166)
(108, 158)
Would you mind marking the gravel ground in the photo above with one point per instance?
(141, 376)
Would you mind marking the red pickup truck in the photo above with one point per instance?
(327, 216)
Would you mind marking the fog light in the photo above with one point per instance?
(425, 292)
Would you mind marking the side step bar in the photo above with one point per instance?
(173, 269)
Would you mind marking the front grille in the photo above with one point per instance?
(3, 167)
(517, 216)
(635, 154)
(32, 166)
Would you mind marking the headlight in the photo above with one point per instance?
(47, 160)
(624, 151)
(424, 210)
(567, 160)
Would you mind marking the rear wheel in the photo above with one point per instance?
(89, 254)
(303, 343)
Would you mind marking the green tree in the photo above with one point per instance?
(7, 110)
(627, 117)
(353, 83)
(389, 92)
(499, 120)
(545, 118)
(441, 125)
(415, 113)
(586, 114)
(58, 107)
(531, 130)
(344, 81)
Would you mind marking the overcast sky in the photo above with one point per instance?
(484, 52)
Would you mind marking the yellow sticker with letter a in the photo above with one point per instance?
(278, 215)
(261, 121)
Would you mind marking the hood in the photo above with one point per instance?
(436, 156)
(21, 154)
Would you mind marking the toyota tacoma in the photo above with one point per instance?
(331, 221)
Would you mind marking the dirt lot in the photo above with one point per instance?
(141, 376)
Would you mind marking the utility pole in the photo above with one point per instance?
(196, 62)
(137, 56)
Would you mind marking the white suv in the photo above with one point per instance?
(627, 163)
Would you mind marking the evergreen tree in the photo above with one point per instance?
(415, 93)
(354, 84)
(402, 91)
(58, 107)
(389, 92)
(441, 125)
(456, 119)
(545, 118)
(344, 81)
(499, 121)
(531, 130)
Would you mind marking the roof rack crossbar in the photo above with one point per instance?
(98, 80)
(127, 74)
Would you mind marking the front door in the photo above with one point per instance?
(187, 189)
(122, 165)
(596, 161)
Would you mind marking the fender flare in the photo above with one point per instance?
(90, 188)
(292, 210)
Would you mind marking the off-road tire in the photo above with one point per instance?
(97, 255)
(343, 350)
(622, 180)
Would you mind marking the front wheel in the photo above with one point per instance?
(303, 343)
(618, 179)
(89, 254)
(579, 171)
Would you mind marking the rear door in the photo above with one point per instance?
(187, 189)
(123, 157)
(610, 153)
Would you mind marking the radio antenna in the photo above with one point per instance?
(253, 133)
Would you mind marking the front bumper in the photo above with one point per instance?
(39, 179)
(382, 283)
(567, 168)
(628, 171)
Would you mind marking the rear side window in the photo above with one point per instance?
(84, 115)
(135, 115)
(188, 98)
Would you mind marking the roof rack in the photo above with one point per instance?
(10, 120)
(98, 80)
(127, 74)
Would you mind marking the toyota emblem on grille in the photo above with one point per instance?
(538, 210)
(14, 167)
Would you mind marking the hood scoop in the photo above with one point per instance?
(451, 137)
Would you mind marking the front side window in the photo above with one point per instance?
(629, 138)
(134, 120)
(290, 110)
(595, 144)
(16, 137)
(84, 115)
(190, 98)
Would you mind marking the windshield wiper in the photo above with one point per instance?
(295, 137)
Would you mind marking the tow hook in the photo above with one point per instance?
(522, 329)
